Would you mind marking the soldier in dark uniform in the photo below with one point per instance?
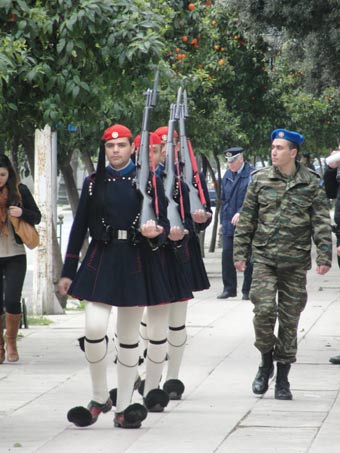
(122, 268)
(174, 268)
(191, 257)
(285, 207)
(233, 190)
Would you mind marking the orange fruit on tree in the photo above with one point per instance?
(216, 47)
(214, 22)
(221, 62)
(191, 6)
(184, 38)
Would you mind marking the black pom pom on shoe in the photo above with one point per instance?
(156, 400)
(80, 416)
(131, 417)
(174, 388)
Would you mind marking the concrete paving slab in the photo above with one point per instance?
(303, 401)
(328, 436)
(269, 440)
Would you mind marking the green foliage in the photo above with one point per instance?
(224, 73)
(39, 321)
(248, 66)
(303, 41)
(314, 24)
(60, 62)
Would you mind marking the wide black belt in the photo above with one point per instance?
(121, 235)
(115, 233)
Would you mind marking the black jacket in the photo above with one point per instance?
(332, 186)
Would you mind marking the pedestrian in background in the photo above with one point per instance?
(233, 190)
(332, 186)
(285, 207)
(15, 200)
(306, 160)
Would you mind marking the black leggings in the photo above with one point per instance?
(12, 276)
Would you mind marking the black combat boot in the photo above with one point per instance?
(265, 372)
(282, 390)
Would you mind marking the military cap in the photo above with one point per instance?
(306, 154)
(162, 132)
(231, 153)
(116, 131)
(291, 136)
(156, 140)
(136, 141)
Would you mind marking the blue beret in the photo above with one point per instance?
(292, 136)
(230, 153)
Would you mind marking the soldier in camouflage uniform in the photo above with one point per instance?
(285, 207)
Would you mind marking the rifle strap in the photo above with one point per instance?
(196, 174)
(154, 177)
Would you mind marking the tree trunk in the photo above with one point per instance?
(87, 161)
(28, 143)
(14, 154)
(201, 237)
(217, 184)
(71, 187)
(73, 196)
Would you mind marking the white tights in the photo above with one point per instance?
(128, 320)
(177, 337)
(96, 323)
(157, 329)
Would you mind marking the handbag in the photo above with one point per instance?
(27, 233)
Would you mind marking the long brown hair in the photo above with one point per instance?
(14, 196)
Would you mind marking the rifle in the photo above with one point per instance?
(142, 167)
(170, 176)
(190, 171)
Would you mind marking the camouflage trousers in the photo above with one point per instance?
(278, 295)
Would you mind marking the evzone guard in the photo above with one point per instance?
(116, 271)
(197, 217)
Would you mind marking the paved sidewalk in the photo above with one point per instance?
(218, 413)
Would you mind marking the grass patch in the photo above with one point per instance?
(75, 305)
(38, 321)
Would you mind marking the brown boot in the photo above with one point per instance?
(2, 342)
(12, 327)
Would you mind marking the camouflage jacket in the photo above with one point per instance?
(280, 216)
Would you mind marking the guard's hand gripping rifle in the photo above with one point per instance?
(170, 176)
(190, 170)
(142, 168)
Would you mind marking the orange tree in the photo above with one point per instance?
(226, 78)
(74, 63)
